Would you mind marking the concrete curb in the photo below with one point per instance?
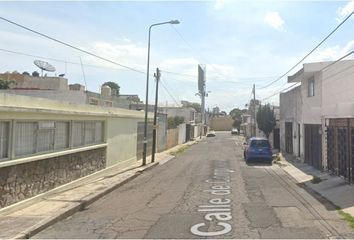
(80, 205)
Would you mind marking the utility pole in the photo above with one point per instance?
(157, 75)
(255, 115)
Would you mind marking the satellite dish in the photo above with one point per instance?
(44, 66)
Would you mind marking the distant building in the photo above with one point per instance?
(24, 81)
(188, 114)
(57, 88)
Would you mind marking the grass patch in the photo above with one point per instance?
(180, 150)
(316, 180)
(347, 217)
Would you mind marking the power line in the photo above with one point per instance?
(220, 80)
(168, 92)
(71, 46)
(322, 69)
(333, 31)
(192, 48)
(58, 60)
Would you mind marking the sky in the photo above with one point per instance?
(241, 43)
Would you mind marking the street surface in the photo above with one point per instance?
(207, 191)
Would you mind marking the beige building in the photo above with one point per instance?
(57, 88)
(46, 143)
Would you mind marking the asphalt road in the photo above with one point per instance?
(207, 191)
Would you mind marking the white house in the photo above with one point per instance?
(316, 117)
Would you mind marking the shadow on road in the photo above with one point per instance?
(258, 163)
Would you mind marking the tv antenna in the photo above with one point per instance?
(44, 66)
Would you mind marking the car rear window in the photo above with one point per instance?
(260, 143)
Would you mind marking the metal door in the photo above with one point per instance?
(289, 137)
(313, 145)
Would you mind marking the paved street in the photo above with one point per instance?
(207, 191)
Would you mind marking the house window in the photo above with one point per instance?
(86, 133)
(93, 101)
(25, 138)
(311, 87)
(4, 139)
(78, 133)
(45, 136)
(33, 137)
(61, 135)
(108, 104)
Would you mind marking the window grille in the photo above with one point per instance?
(45, 136)
(61, 135)
(89, 132)
(78, 133)
(4, 139)
(98, 132)
(25, 138)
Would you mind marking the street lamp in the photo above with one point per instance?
(147, 86)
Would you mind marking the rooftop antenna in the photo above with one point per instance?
(44, 66)
(83, 73)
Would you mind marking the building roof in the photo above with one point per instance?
(308, 70)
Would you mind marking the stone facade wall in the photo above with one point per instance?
(26, 180)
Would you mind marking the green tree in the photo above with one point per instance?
(114, 86)
(266, 119)
(5, 84)
(196, 106)
(173, 122)
(236, 116)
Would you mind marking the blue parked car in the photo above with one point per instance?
(258, 149)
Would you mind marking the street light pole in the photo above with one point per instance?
(157, 76)
(147, 87)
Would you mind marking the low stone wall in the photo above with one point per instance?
(26, 180)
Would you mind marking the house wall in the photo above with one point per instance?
(172, 137)
(78, 97)
(337, 85)
(290, 111)
(221, 123)
(39, 172)
(187, 113)
(181, 133)
(311, 106)
(45, 83)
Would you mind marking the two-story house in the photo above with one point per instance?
(317, 117)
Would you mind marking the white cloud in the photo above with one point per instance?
(220, 4)
(126, 53)
(343, 12)
(332, 53)
(274, 20)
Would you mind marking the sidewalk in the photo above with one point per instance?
(27, 218)
(333, 188)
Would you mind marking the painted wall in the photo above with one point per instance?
(290, 111)
(172, 137)
(121, 140)
(337, 88)
(181, 133)
(221, 123)
(311, 106)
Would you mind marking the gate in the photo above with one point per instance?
(313, 145)
(289, 137)
(340, 147)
